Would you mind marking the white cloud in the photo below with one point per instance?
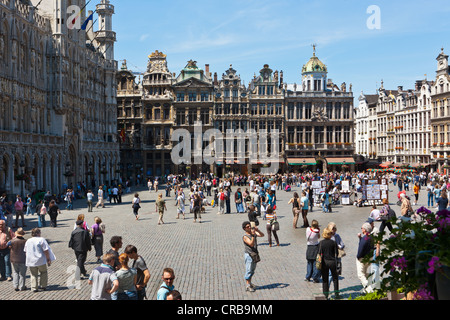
(144, 37)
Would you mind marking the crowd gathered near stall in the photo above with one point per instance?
(124, 276)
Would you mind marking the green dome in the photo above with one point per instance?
(314, 65)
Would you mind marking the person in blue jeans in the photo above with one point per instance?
(251, 248)
(6, 235)
(437, 192)
(29, 205)
(41, 211)
(430, 191)
(325, 201)
(312, 242)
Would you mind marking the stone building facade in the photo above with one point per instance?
(319, 121)
(274, 126)
(440, 116)
(57, 97)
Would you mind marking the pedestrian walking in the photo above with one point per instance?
(90, 199)
(221, 197)
(103, 279)
(39, 257)
(101, 200)
(18, 260)
(312, 249)
(160, 207)
(136, 205)
(416, 190)
(29, 205)
(271, 226)
(69, 199)
(18, 207)
(80, 242)
(53, 212)
(295, 200)
(97, 231)
(386, 216)
(181, 209)
(41, 211)
(430, 194)
(251, 254)
(197, 205)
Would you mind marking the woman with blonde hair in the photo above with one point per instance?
(127, 280)
(340, 244)
(328, 249)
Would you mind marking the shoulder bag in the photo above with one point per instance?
(275, 225)
(319, 258)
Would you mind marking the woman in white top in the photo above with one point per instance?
(312, 242)
(101, 201)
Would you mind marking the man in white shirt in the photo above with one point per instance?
(115, 193)
(38, 256)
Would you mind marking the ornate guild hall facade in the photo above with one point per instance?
(57, 97)
(315, 120)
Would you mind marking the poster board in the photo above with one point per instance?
(375, 190)
(318, 189)
(345, 186)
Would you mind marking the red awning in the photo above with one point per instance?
(386, 164)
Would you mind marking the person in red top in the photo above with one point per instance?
(18, 207)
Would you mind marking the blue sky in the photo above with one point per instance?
(251, 33)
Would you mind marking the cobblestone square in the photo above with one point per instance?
(208, 257)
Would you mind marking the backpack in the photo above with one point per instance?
(222, 196)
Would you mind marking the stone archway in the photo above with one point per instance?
(322, 164)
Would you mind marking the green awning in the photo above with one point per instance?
(302, 162)
(340, 161)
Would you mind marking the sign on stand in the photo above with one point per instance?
(374, 191)
(318, 190)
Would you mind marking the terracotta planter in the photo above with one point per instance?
(443, 283)
(393, 295)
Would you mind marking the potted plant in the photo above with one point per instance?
(416, 257)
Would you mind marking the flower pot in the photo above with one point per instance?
(443, 283)
(394, 295)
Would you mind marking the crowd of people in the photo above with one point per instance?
(125, 276)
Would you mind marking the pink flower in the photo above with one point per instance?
(433, 265)
(399, 263)
(422, 293)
